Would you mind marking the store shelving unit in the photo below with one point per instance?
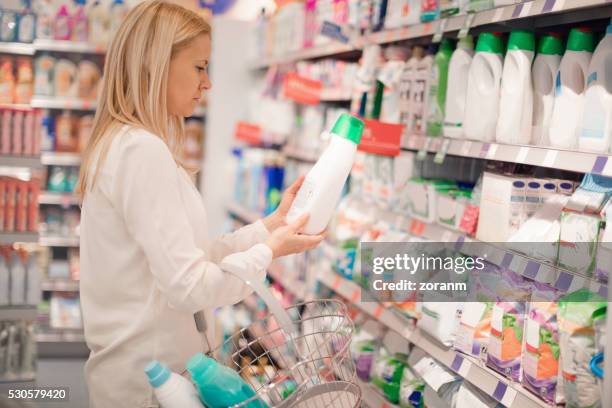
(63, 199)
(18, 313)
(10, 237)
(60, 159)
(58, 241)
(16, 48)
(56, 102)
(68, 46)
(372, 398)
(62, 343)
(60, 285)
(576, 161)
(499, 15)
(20, 161)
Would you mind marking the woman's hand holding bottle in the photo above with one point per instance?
(277, 218)
(288, 239)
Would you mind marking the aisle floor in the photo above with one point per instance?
(64, 373)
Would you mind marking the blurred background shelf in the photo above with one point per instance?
(60, 159)
(18, 313)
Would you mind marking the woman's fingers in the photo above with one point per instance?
(293, 188)
(300, 223)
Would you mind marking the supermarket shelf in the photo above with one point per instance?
(63, 199)
(12, 380)
(18, 313)
(60, 285)
(69, 343)
(51, 241)
(372, 397)
(20, 161)
(298, 289)
(510, 394)
(498, 15)
(16, 106)
(581, 162)
(296, 153)
(335, 96)
(60, 159)
(16, 48)
(68, 46)
(11, 237)
(244, 214)
(56, 102)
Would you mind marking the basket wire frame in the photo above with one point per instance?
(317, 359)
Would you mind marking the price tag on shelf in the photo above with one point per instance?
(492, 151)
(484, 149)
(302, 90)
(461, 365)
(550, 158)
(440, 29)
(333, 31)
(466, 147)
(467, 24)
(356, 295)
(441, 154)
(378, 311)
(337, 282)
(504, 394)
(422, 154)
(521, 157)
(417, 227)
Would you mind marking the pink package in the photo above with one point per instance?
(5, 138)
(310, 22)
(37, 136)
(28, 133)
(17, 136)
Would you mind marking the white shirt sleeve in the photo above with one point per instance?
(239, 240)
(146, 194)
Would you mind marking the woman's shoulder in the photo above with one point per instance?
(135, 141)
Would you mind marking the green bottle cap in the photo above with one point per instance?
(466, 43)
(348, 127)
(581, 39)
(551, 44)
(490, 42)
(446, 45)
(522, 40)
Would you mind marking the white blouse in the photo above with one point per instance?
(147, 265)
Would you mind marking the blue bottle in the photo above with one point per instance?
(220, 386)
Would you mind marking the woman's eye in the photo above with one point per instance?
(201, 69)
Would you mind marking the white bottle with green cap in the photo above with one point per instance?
(484, 83)
(596, 131)
(570, 85)
(458, 69)
(516, 100)
(323, 184)
(171, 390)
(545, 67)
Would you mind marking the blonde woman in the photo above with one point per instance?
(147, 264)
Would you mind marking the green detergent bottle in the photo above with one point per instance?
(437, 88)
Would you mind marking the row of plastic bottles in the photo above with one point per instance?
(561, 99)
(212, 385)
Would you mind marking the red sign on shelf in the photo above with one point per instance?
(248, 132)
(381, 138)
(302, 90)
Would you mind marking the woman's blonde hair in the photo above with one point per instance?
(135, 80)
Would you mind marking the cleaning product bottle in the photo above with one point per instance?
(484, 78)
(80, 23)
(63, 24)
(436, 100)
(323, 184)
(220, 386)
(171, 389)
(596, 131)
(99, 23)
(449, 8)
(516, 101)
(407, 87)
(44, 18)
(389, 76)
(570, 85)
(420, 95)
(458, 69)
(545, 67)
(401, 13)
(430, 10)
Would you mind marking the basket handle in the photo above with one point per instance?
(274, 306)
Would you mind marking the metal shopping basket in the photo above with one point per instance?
(306, 345)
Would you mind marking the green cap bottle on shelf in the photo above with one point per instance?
(446, 45)
(490, 42)
(467, 43)
(348, 127)
(551, 44)
(581, 39)
(522, 40)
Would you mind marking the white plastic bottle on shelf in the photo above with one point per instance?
(570, 85)
(516, 96)
(407, 82)
(171, 389)
(458, 69)
(484, 79)
(544, 71)
(323, 184)
(420, 92)
(596, 131)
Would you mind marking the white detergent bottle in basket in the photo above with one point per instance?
(323, 184)
(171, 389)
(484, 83)
(220, 386)
(516, 101)
(570, 85)
(544, 71)
(596, 131)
